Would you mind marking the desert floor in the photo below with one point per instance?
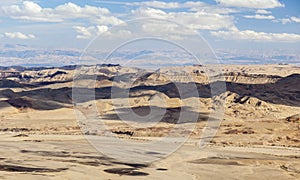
(54, 149)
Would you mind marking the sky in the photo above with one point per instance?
(234, 26)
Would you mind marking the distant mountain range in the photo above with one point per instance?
(22, 55)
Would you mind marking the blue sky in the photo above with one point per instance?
(232, 25)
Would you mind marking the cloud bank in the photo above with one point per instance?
(18, 35)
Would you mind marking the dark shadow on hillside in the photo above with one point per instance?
(40, 84)
(143, 114)
(34, 104)
(6, 83)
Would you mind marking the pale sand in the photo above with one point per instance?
(76, 159)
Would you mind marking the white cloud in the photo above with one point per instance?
(288, 20)
(31, 11)
(283, 21)
(200, 15)
(258, 16)
(18, 35)
(257, 36)
(171, 30)
(93, 31)
(84, 32)
(262, 11)
(89, 32)
(191, 5)
(70, 11)
(101, 29)
(195, 20)
(257, 4)
(157, 4)
(150, 12)
(200, 6)
(295, 19)
(107, 20)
